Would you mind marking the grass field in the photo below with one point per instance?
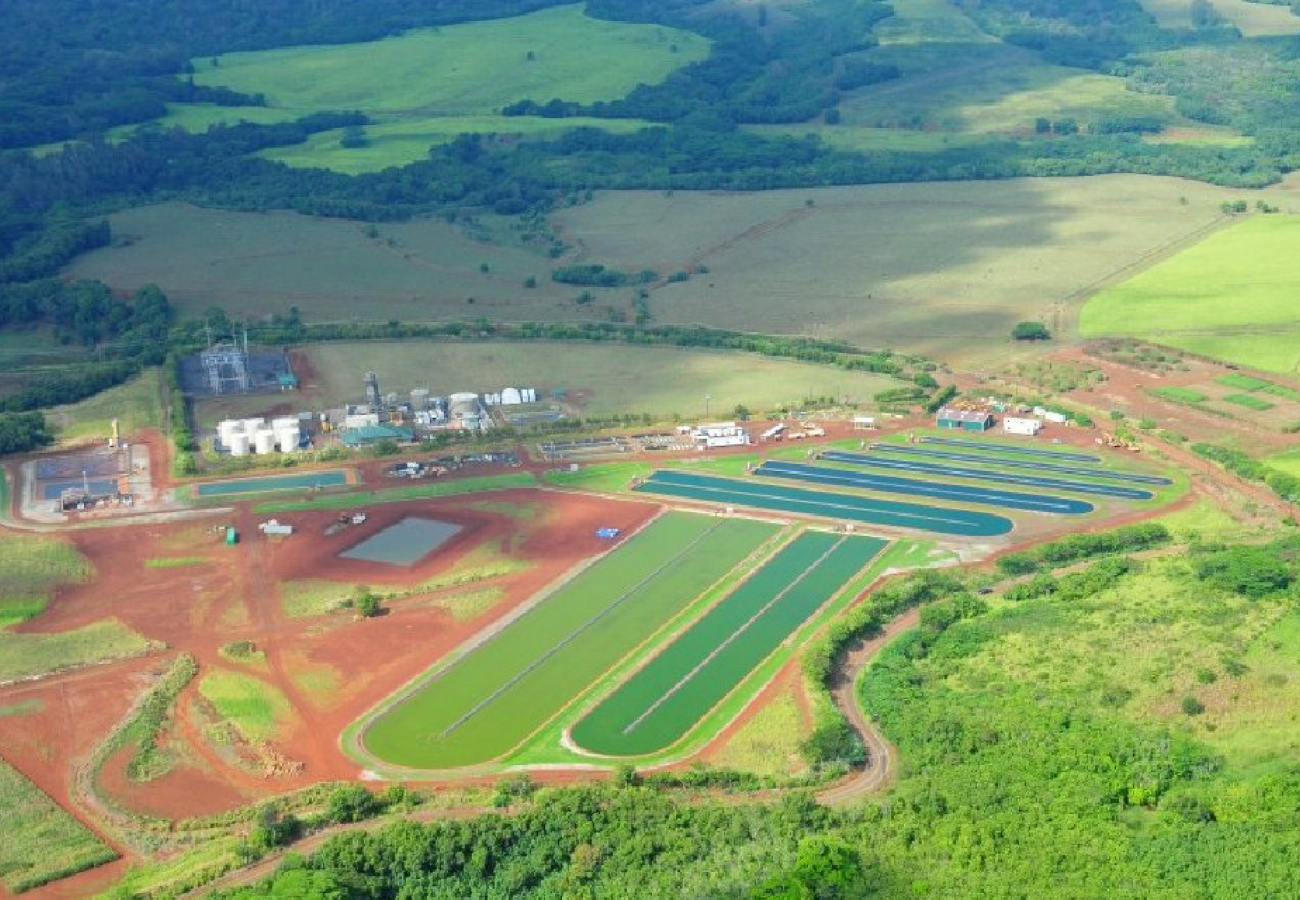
(24, 655)
(256, 708)
(666, 698)
(481, 705)
(663, 381)
(1252, 18)
(1180, 394)
(134, 404)
(1248, 401)
(426, 86)
(33, 568)
(41, 842)
(768, 742)
(943, 269)
(399, 141)
(1230, 297)
(1252, 385)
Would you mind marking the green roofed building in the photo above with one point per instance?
(963, 420)
(373, 434)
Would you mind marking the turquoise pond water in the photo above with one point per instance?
(331, 478)
(404, 543)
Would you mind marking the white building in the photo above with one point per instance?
(1014, 425)
(720, 434)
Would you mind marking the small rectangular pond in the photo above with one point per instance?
(331, 478)
(403, 543)
(53, 490)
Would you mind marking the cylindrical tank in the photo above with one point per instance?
(287, 438)
(264, 441)
(227, 429)
(238, 444)
(252, 425)
(284, 422)
(419, 399)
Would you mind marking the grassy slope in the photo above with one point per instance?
(945, 269)
(33, 567)
(1029, 722)
(41, 841)
(134, 404)
(428, 85)
(660, 380)
(1231, 297)
(1252, 18)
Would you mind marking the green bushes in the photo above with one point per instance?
(1252, 572)
(148, 761)
(941, 399)
(1078, 547)
(1287, 487)
(832, 742)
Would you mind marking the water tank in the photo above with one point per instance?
(287, 438)
(238, 444)
(227, 429)
(252, 425)
(264, 441)
(284, 422)
(420, 399)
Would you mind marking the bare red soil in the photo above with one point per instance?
(233, 596)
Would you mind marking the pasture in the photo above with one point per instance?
(662, 701)
(1230, 297)
(135, 404)
(598, 378)
(255, 707)
(42, 842)
(939, 269)
(481, 704)
(251, 264)
(428, 85)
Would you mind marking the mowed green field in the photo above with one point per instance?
(41, 841)
(658, 705)
(488, 701)
(611, 378)
(1231, 297)
(941, 269)
(428, 85)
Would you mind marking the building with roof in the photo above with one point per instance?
(963, 419)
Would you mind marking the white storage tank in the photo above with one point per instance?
(238, 444)
(264, 441)
(252, 425)
(287, 438)
(284, 422)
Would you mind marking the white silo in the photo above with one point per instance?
(227, 429)
(264, 441)
(238, 444)
(287, 438)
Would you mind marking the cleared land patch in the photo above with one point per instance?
(481, 705)
(824, 504)
(1252, 18)
(663, 701)
(42, 843)
(1230, 297)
